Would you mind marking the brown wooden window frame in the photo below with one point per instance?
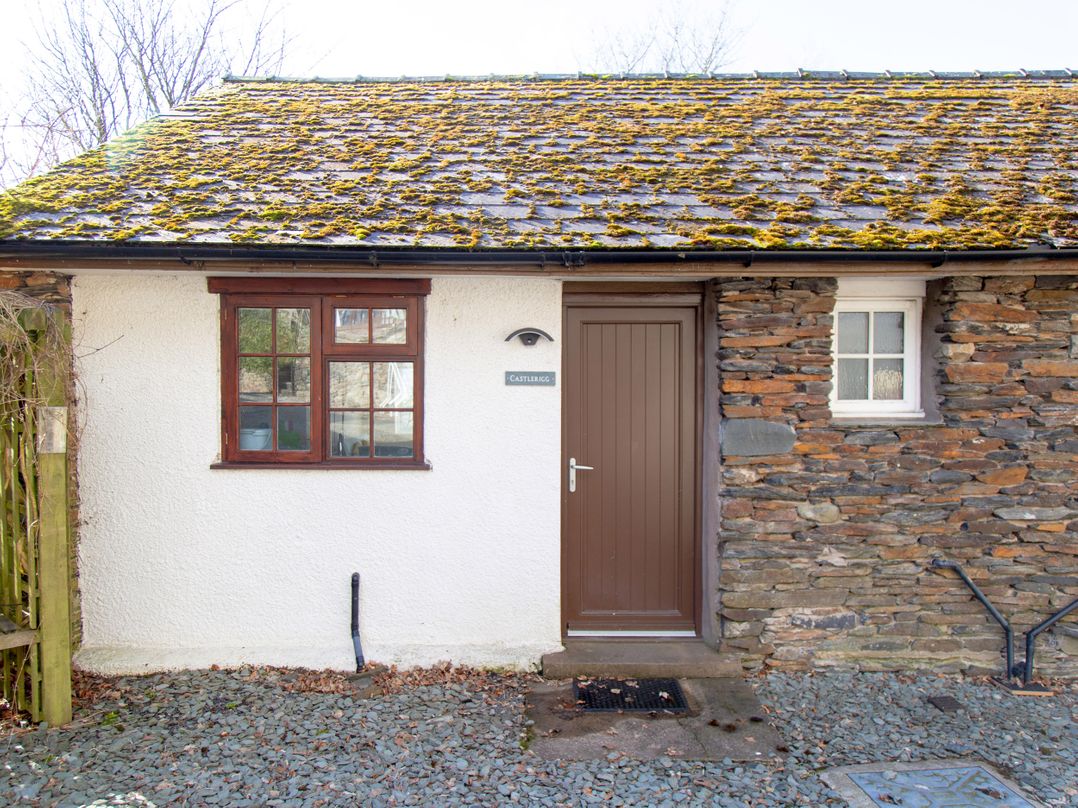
(321, 297)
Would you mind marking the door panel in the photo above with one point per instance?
(629, 530)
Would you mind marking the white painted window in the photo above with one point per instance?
(876, 344)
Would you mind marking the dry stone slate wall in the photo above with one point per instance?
(828, 528)
(47, 286)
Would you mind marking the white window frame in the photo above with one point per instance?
(874, 295)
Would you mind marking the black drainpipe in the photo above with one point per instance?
(355, 623)
(1025, 669)
(1008, 632)
(1031, 636)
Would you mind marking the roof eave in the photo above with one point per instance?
(22, 254)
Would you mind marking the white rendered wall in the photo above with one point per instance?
(184, 566)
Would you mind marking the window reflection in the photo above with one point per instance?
(351, 326)
(390, 326)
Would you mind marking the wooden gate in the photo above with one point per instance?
(35, 630)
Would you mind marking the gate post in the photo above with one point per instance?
(53, 536)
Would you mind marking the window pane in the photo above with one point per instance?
(393, 384)
(390, 326)
(256, 378)
(349, 384)
(255, 330)
(887, 377)
(294, 379)
(350, 325)
(393, 434)
(887, 332)
(294, 429)
(853, 379)
(256, 431)
(350, 434)
(853, 332)
(293, 330)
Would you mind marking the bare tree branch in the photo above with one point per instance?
(3, 150)
(683, 37)
(100, 66)
(625, 51)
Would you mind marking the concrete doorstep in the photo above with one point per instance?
(725, 720)
(676, 659)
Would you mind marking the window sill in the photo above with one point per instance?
(410, 465)
(911, 419)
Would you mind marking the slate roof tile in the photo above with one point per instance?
(836, 160)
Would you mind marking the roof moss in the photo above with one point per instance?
(635, 162)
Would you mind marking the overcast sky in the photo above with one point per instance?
(350, 37)
(484, 36)
(343, 38)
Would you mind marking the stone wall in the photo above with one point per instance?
(825, 540)
(56, 289)
(46, 286)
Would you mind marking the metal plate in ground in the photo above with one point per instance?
(629, 695)
(946, 704)
(927, 784)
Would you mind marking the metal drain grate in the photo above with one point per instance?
(629, 695)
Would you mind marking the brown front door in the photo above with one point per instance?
(629, 545)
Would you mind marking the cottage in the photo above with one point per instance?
(711, 362)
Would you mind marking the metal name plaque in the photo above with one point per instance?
(535, 378)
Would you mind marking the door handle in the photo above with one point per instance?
(574, 467)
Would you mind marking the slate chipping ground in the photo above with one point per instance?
(240, 738)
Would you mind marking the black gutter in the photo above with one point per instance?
(542, 259)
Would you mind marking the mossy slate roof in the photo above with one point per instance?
(875, 162)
